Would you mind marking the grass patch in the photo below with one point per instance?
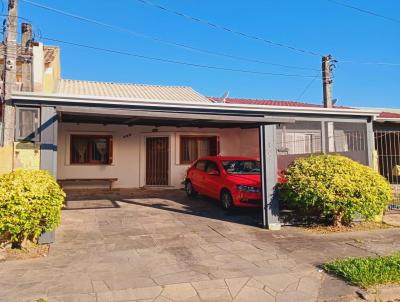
(368, 271)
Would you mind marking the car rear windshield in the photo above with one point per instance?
(241, 166)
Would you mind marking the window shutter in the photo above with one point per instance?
(110, 150)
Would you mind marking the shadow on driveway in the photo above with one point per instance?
(168, 200)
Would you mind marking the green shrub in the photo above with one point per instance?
(336, 187)
(30, 203)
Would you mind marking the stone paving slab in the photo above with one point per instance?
(161, 246)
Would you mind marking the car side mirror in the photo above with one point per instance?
(213, 172)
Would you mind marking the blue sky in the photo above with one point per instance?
(317, 25)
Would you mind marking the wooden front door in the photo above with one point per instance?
(157, 161)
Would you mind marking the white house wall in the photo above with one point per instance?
(129, 154)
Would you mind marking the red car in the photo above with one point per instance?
(233, 180)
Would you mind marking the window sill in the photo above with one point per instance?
(91, 165)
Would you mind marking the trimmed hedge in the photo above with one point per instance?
(30, 204)
(336, 187)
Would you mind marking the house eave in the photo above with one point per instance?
(98, 100)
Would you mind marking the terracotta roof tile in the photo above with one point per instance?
(388, 115)
(266, 102)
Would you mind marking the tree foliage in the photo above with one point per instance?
(336, 187)
(30, 203)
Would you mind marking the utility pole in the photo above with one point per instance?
(26, 56)
(327, 81)
(327, 91)
(9, 76)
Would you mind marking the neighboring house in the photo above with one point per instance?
(305, 137)
(387, 143)
(38, 66)
(294, 140)
(37, 70)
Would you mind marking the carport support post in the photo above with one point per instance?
(370, 143)
(48, 140)
(269, 174)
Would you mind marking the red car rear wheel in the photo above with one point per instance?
(189, 189)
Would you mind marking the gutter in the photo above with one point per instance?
(99, 100)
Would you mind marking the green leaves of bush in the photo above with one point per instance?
(30, 203)
(336, 187)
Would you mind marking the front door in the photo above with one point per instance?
(157, 161)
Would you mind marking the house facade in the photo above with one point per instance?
(100, 134)
(136, 152)
(147, 135)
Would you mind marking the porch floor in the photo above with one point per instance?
(150, 245)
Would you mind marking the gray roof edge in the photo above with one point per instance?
(47, 97)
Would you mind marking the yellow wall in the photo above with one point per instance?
(6, 159)
(52, 73)
(26, 156)
(19, 156)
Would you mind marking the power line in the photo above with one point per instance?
(224, 28)
(180, 45)
(365, 11)
(174, 61)
(370, 63)
(168, 60)
(308, 86)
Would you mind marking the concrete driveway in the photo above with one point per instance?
(161, 246)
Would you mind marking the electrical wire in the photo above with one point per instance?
(227, 29)
(185, 46)
(365, 11)
(308, 86)
(169, 60)
(370, 63)
(174, 61)
(156, 39)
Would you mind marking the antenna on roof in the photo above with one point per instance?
(334, 101)
(223, 97)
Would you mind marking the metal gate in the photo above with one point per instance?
(387, 145)
(157, 161)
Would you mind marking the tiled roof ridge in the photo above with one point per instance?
(270, 102)
(233, 99)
